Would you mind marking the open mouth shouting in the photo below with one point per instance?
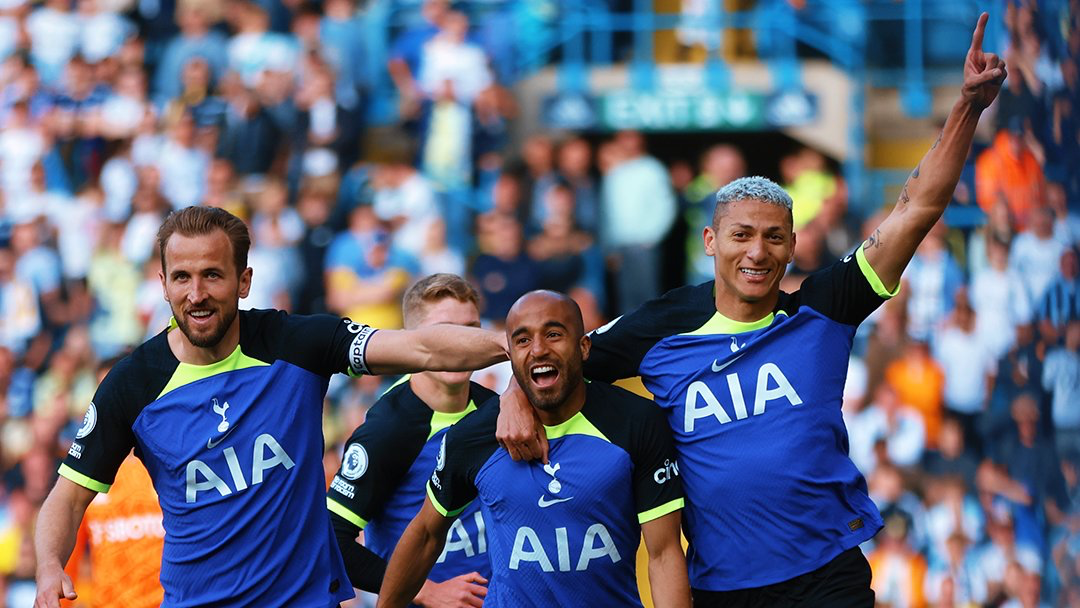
(544, 375)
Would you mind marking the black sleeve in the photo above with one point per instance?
(321, 344)
(619, 346)
(846, 292)
(364, 567)
(105, 437)
(640, 427)
(465, 448)
(377, 456)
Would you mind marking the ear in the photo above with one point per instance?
(709, 237)
(791, 256)
(245, 282)
(164, 292)
(586, 346)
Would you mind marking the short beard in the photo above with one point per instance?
(550, 401)
(211, 340)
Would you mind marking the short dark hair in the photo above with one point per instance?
(197, 221)
(433, 288)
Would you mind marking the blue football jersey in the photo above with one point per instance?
(755, 410)
(565, 533)
(235, 453)
(380, 485)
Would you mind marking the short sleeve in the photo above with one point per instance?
(464, 449)
(376, 459)
(322, 344)
(657, 483)
(619, 347)
(847, 291)
(105, 437)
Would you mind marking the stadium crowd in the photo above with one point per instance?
(963, 399)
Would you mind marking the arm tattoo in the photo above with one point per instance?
(918, 167)
(874, 241)
(938, 140)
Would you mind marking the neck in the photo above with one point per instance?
(440, 396)
(187, 352)
(565, 410)
(737, 309)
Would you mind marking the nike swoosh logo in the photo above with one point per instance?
(211, 444)
(547, 503)
(847, 259)
(718, 368)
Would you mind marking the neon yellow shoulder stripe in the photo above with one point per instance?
(719, 324)
(578, 424)
(872, 276)
(336, 507)
(83, 480)
(442, 420)
(662, 510)
(186, 373)
(441, 509)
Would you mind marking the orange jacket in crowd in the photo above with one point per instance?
(122, 537)
(1017, 179)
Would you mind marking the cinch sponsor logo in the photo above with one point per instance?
(123, 529)
(266, 454)
(458, 539)
(75, 451)
(343, 487)
(597, 544)
(668, 471)
(701, 402)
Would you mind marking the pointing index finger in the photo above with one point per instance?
(980, 29)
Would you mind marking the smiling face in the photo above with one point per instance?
(547, 347)
(202, 286)
(751, 244)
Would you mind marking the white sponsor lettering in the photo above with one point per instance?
(343, 487)
(596, 544)
(75, 451)
(768, 374)
(666, 472)
(123, 529)
(259, 465)
(458, 539)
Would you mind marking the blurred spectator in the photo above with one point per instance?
(951, 581)
(503, 272)
(1019, 372)
(898, 570)
(920, 383)
(567, 257)
(1036, 255)
(113, 282)
(720, 165)
(1060, 303)
(195, 40)
(448, 57)
(635, 185)
(437, 255)
(365, 276)
(1061, 378)
(930, 280)
(809, 184)
(886, 429)
(121, 534)
(574, 166)
(407, 202)
(313, 206)
(406, 55)
(346, 52)
(54, 38)
(968, 365)
(21, 319)
(125, 107)
(254, 48)
(249, 137)
(992, 558)
(538, 153)
(996, 296)
(953, 457)
(183, 165)
(102, 30)
(1008, 170)
(326, 131)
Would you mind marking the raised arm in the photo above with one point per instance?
(54, 537)
(930, 186)
(434, 348)
(667, 563)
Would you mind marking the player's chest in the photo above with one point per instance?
(584, 474)
(712, 384)
(236, 425)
